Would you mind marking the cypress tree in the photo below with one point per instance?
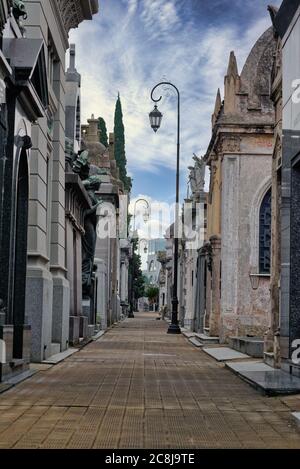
(135, 270)
(103, 131)
(120, 155)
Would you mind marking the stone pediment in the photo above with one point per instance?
(27, 59)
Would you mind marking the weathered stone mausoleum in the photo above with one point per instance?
(24, 99)
(34, 283)
(239, 202)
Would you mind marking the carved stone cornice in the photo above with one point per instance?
(73, 12)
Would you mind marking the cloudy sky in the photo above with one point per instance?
(133, 44)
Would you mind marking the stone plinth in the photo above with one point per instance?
(86, 308)
(74, 330)
(39, 298)
(83, 326)
(15, 366)
(214, 317)
(253, 346)
(61, 307)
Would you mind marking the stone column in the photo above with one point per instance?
(285, 256)
(208, 300)
(294, 323)
(123, 282)
(39, 285)
(126, 281)
(102, 292)
(61, 290)
(201, 292)
(214, 317)
(181, 282)
(272, 337)
(189, 317)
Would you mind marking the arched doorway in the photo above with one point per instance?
(14, 332)
(20, 252)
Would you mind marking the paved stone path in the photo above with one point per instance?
(138, 387)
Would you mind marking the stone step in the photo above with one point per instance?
(222, 354)
(195, 342)
(206, 339)
(17, 363)
(290, 367)
(98, 335)
(187, 334)
(4, 387)
(57, 358)
(19, 377)
(15, 368)
(253, 346)
(269, 381)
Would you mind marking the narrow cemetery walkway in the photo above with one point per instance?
(139, 387)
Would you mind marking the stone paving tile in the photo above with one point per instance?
(139, 387)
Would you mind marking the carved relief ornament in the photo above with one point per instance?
(71, 13)
(229, 144)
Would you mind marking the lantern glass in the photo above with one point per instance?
(146, 217)
(155, 117)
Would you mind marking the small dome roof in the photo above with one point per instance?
(255, 76)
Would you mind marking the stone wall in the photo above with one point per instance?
(290, 264)
(47, 287)
(48, 291)
(240, 159)
(241, 201)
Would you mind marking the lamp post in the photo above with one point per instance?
(155, 117)
(146, 214)
(145, 248)
(132, 279)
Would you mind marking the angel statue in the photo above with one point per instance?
(92, 184)
(197, 174)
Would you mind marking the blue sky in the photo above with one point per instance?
(133, 44)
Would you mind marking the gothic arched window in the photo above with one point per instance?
(265, 234)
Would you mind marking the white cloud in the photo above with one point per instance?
(159, 17)
(133, 52)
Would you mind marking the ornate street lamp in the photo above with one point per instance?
(146, 214)
(134, 279)
(144, 241)
(155, 117)
(146, 217)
